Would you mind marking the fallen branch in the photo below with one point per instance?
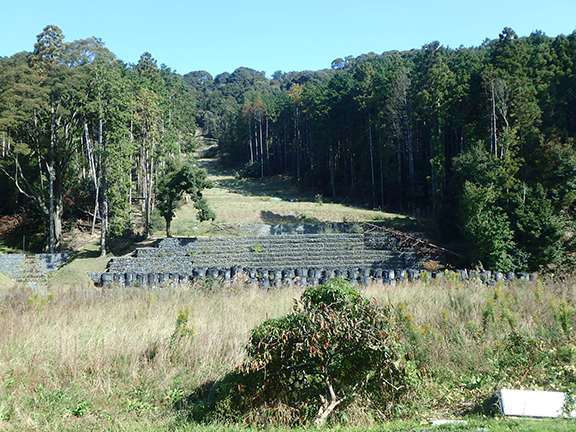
(409, 240)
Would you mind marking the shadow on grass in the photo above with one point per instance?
(224, 400)
(274, 186)
(404, 224)
(272, 218)
(85, 253)
(489, 407)
(119, 246)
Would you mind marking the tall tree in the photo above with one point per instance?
(48, 124)
(108, 146)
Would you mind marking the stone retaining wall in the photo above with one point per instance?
(10, 264)
(281, 260)
(266, 278)
(266, 259)
(337, 251)
(23, 267)
(283, 229)
(53, 261)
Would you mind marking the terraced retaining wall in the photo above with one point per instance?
(31, 268)
(281, 260)
(266, 259)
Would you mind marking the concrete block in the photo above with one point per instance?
(400, 274)
(328, 274)
(107, 279)
(364, 280)
(301, 272)
(413, 274)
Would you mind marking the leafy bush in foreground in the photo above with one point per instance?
(336, 346)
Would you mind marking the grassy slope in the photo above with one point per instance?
(5, 282)
(268, 201)
(73, 274)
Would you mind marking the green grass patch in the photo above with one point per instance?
(73, 273)
(5, 282)
(275, 200)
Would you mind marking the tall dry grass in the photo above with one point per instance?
(471, 339)
(114, 358)
(70, 354)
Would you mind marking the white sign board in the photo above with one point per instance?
(532, 403)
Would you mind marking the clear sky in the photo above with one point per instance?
(289, 35)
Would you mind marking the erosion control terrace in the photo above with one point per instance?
(266, 259)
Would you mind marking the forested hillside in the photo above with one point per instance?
(85, 135)
(480, 139)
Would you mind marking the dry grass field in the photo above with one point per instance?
(116, 360)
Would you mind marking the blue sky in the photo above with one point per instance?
(288, 35)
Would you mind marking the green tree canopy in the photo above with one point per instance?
(184, 179)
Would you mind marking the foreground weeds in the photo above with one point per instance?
(68, 357)
(127, 359)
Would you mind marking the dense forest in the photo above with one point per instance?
(479, 140)
(84, 136)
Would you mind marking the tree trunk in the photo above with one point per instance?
(93, 175)
(104, 218)
(329, 403)
(58, 213)
(382, 206)
(266, 141)
(410, 144)
(51, 230)
(332, 173)
(493, 136)
(261, 150)
(251, 139)
(399, 191)
(149, 193)
(168, 226)
(50, 167)
(285, 133)
(352, 175)
(373, 178)
(298, 145)
(104, 207)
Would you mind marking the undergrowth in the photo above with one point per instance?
(135, 359)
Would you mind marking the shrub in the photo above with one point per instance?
(257, 248)
(252, 170)
(336, 346)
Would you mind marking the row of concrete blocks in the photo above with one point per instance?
(182, 266)
(301, 276)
